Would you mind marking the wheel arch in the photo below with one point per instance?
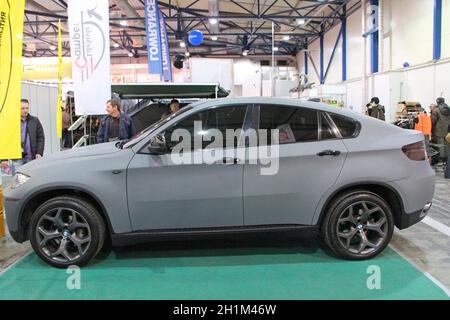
(385, 191)
(43, 195)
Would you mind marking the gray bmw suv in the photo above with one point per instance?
(308, 167)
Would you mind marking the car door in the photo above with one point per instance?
(164, 194)
(311, 156)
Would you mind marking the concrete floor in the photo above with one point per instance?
(422, 245)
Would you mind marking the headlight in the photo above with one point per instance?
(18, 180)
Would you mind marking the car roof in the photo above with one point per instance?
(273, 101)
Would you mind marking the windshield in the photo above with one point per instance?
(143, 134)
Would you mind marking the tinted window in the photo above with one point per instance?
(294, 124)
(219, 118)
(326, 132)
(223, 119)
(348, 128)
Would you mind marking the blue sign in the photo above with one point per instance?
(152, 25)
(166, 64)
(196, 37)
(157, 42)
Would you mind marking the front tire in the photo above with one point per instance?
(358, 225)
(66, 231)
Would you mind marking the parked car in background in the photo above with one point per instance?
(346, 176)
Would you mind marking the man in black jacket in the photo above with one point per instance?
(32, 136)
(447, 168)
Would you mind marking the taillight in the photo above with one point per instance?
(415, 151)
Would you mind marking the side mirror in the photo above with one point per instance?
(158, 145)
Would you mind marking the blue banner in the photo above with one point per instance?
(157, 43)
(166, 64)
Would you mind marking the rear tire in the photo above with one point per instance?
(67, 231)
(358, 225)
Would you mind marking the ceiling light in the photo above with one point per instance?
(51, 47)
(214, 38)
(286, 38)
(187, 54)
(182, 44)
(131, 55)
(116, 45)
(301, 22)
(123, 23)
(275, 49)
(213, 21)
(245, 53)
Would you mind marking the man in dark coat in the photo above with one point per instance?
(116, 125)
(447, 169)
(375, 110)
(440, 122)
(32, 134)
(32, 138)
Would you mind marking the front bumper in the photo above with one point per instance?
(12, 207)
(408, 220)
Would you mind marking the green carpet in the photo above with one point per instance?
(221, 270)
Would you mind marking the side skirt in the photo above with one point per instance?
(138, 237)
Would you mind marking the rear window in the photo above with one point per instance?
(348, 127)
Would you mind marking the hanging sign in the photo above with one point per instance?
(196, 37)
(89, 46)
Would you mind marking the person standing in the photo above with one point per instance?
(66, 134)
(116, 125)
(32, 136)
(375, 110)
(174, 106)
(447, 169)
(440, 123)
(433, 107)
(423, 122)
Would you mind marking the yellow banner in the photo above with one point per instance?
(11, 40)
(60, 74)
(45, 68)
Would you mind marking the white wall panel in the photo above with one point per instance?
(442, 82)
(412, 31)
(335, 71)
(354, 96)
(213, 71)
(419, 84)
(247, 74)
(355, 46)
(314, 52)
(446, 29)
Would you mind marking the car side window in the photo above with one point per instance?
(185, 124)
(326, 131)
(294, 124)
(221, 118)
(348, 127)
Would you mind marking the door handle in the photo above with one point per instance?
(228, 161)
(329, 153)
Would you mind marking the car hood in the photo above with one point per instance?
(82, 152)
(94, 150)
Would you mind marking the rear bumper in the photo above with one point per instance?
(416, 193)
(407, 220)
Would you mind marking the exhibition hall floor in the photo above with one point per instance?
(415, 266)
(221, 271)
